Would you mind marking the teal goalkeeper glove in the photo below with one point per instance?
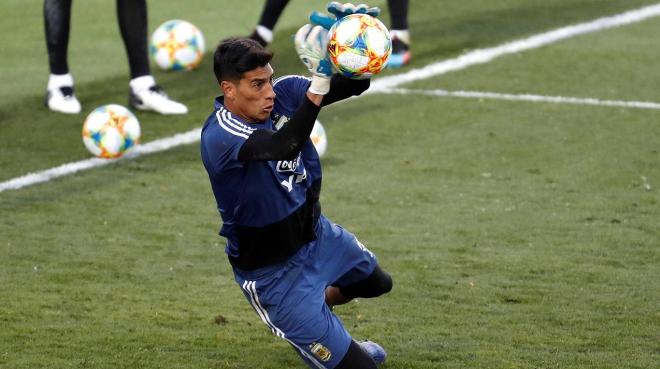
(312, 48)
(339, 11)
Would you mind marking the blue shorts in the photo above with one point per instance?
(290, 297)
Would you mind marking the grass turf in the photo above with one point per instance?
(519, 235)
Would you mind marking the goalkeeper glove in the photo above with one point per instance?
(339, 11)
(312, 48)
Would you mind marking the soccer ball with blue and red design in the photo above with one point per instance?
(359, 46)
(110, 130)
(177, 45)
(319, 138)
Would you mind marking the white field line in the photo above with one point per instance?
(478, 56)
(70, 168)
(481, 56)
(527, 97)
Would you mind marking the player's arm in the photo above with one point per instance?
(342, 88)
(285, 144)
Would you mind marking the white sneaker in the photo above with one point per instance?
(155, 99)
(63, 100)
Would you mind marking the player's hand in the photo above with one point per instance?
(339, 11)
(312, 48)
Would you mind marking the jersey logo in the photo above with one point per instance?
(298, 172)
(289, 166)
(279, 120)
(320, 351)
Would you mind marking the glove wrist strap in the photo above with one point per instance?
(320, 85)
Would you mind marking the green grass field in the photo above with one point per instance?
(519, 234)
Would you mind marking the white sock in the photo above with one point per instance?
(142, 83)
(265, 33)
(56, 81)
(401, 34)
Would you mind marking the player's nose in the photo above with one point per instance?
(270, 92)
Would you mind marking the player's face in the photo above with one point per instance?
(252, 98)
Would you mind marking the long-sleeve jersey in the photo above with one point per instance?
(269, 208)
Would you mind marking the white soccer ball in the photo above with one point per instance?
(177, 45)
(319, 138)
(110, 130)
(359, 46)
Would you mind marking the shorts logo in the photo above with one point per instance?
(320, 351)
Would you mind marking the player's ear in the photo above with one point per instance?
(228, 89)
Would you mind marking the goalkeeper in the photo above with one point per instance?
(292, 263)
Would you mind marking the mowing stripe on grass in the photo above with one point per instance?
(527, 97)
(479, 56)
(482, 56)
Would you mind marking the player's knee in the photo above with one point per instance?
(376, 284)
(382, 283)
(385, 283)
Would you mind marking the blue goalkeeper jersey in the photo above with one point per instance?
(269, 209)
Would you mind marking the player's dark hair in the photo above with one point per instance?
(235, 56)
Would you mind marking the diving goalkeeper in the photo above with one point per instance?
(292, 263)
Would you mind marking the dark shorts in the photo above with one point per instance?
(290, 297)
